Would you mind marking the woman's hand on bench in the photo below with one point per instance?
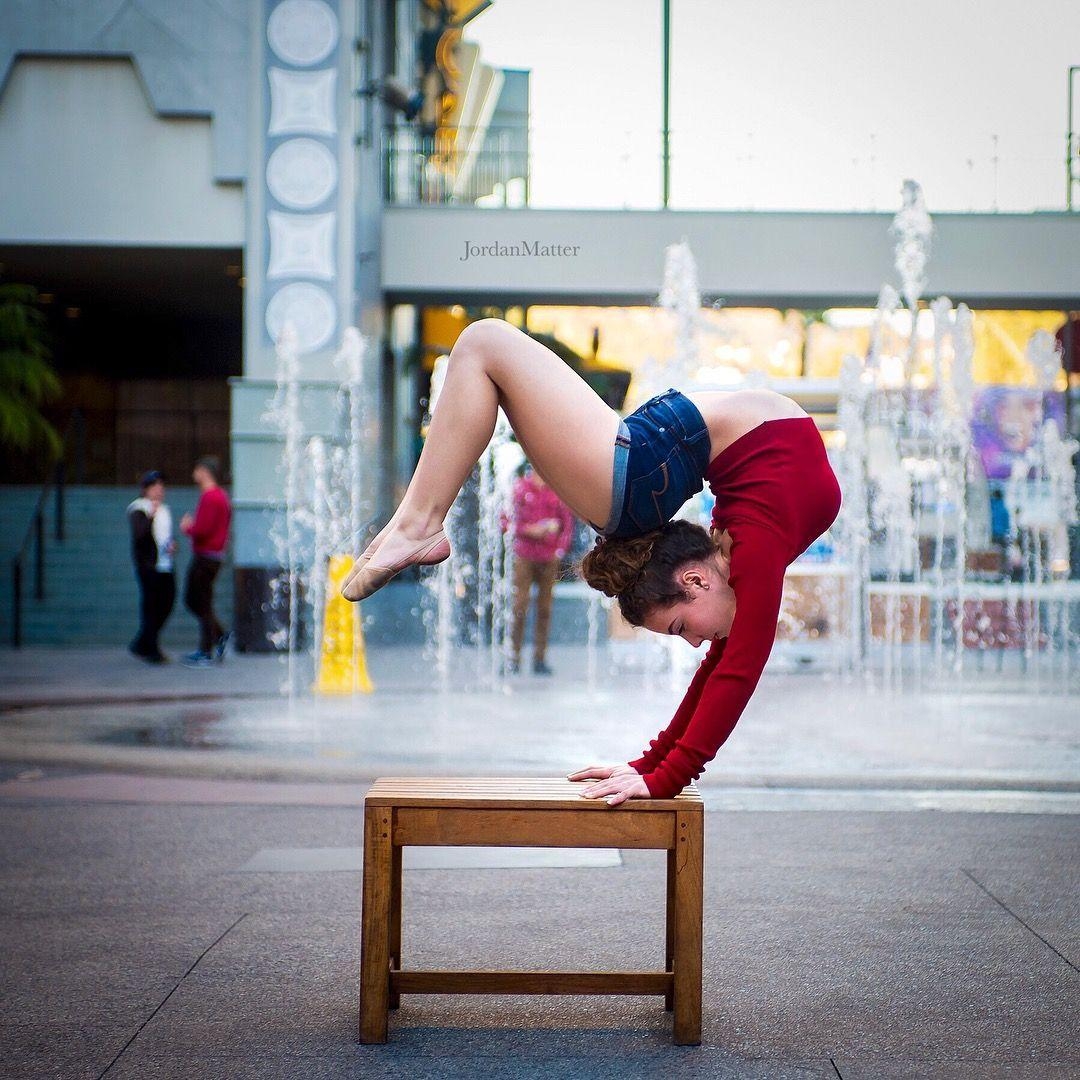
(615, 783)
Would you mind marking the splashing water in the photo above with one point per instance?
(466, 599)
(913, 487)
(323, 504)
(283, 415)
(913, 230)
(681, 297)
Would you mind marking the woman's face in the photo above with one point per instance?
(1018, 417)
(710, 609)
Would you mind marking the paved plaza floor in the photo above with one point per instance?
(145, 939)
(891, 881)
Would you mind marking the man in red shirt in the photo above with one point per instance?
(543, 526)
(208, 530)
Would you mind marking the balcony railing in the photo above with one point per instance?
(581, 164)
(468, 166)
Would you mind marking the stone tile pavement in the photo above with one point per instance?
(837, 944)
(891, 881)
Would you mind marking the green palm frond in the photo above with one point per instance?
(27, 379)
(36, 380)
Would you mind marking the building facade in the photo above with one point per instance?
(183, 180)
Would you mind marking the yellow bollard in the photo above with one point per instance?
(342, 661)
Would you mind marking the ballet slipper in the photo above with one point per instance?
(357, 566)
(371, 577)
(361, 562)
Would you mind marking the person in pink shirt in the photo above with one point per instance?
(543, 525)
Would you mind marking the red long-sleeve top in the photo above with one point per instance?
(775, 494)
(209, 531)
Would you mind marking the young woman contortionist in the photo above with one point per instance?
(761, 455)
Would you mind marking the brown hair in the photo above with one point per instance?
(212, 464)
(640, 571)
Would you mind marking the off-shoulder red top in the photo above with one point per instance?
(775, 494)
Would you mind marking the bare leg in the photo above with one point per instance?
(565, 429)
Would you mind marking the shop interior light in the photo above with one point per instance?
(850, 318)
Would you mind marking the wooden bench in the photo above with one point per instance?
(525, 812)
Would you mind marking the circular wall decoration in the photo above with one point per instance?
(302, 32)
(301, 173)
(310, 309)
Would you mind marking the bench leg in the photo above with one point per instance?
(375, 926)
(395, 918)
(669, 925)
(689, 859)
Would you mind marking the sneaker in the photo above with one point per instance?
(540, 668)
(198, 660)
(222, 644)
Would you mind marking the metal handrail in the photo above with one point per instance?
(35, 530)
(458, 165)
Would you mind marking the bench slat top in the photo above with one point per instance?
(510, 793)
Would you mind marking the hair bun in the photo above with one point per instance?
(613, 567)
(641, 570)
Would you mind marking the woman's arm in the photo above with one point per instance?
(209, 514)
(527, 514)
(658, 748)
(757, 578)
(140, 524)
(142, 539)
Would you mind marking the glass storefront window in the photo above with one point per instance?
(736, 343)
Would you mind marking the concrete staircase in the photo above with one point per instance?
(91, 595)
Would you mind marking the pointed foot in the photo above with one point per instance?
(368, 577)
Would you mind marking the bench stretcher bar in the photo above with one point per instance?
(532, 982)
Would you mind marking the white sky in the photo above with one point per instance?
(794, 104)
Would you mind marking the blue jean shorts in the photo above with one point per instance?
(662, 450)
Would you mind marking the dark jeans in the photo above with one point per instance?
(199, 600)
(157, 594)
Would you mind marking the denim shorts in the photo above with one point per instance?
(662, 450)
